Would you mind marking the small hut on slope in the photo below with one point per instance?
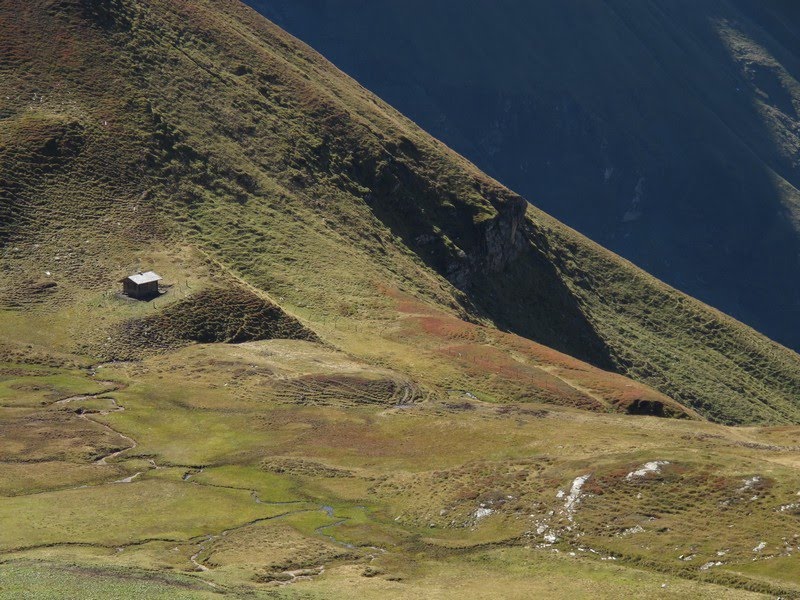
(141, 286)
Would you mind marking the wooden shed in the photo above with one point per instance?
(141, 286)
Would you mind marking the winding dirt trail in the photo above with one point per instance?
(193, 558)
(555, 372)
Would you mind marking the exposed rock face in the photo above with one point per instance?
(459, 239)
(502, 239)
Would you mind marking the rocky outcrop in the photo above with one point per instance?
(459, 230)
(499, 241)
(502, 239)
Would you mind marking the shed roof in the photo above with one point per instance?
(141, 278)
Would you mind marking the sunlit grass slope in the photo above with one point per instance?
(374, 371)
(204, 141)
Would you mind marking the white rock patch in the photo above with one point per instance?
(544, 528)
(631, 531)
(574, 496)
(482, 512)
(749, 483)
(550, 537)
(647, 468)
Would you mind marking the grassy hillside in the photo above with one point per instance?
(132, 128)
(374, 370)
(677, 122)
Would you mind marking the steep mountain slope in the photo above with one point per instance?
(218, 132)
(667, 132)
(375, 371)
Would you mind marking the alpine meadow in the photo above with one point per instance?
(261, 336)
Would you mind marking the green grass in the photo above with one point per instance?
(411, 411)
(47, 581)
(29, 478)
(514, 573)
(408, 481)
(113, 514)
(268, 486)
(34, 390)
